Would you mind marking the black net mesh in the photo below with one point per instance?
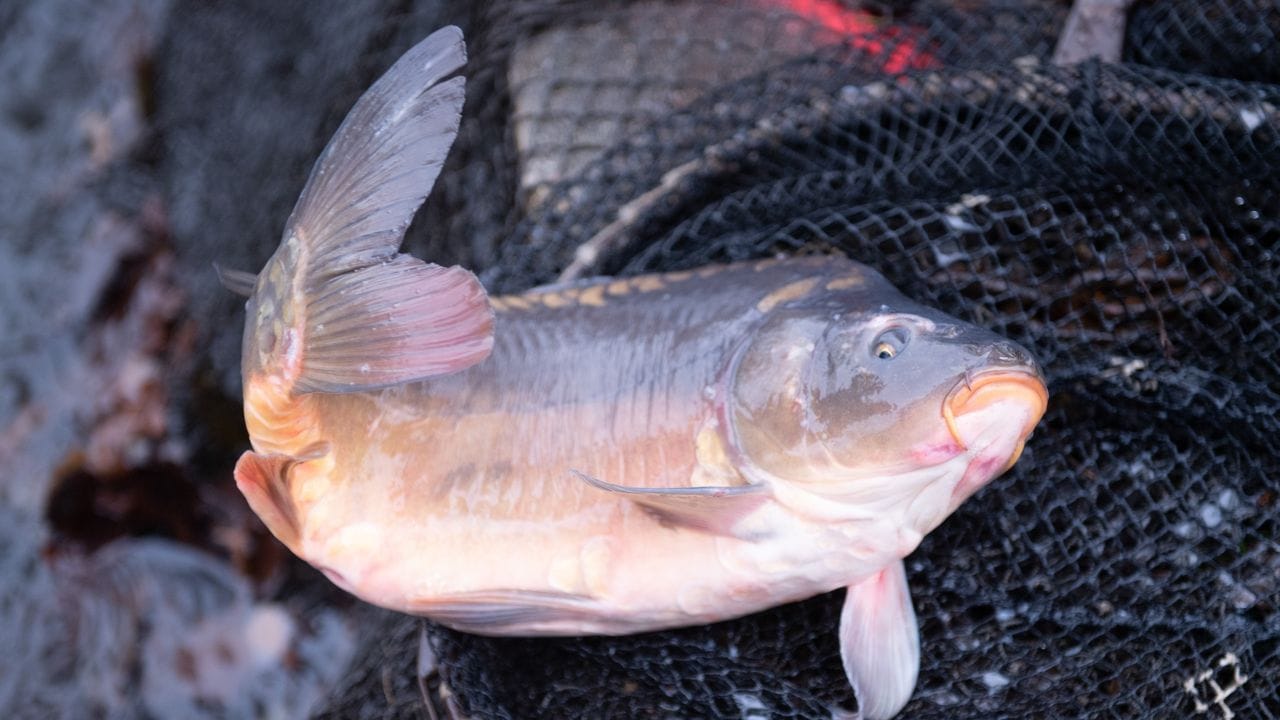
(1227, 39)
(1121, 221)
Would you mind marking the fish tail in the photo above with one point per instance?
(338, 308)
(395, 322)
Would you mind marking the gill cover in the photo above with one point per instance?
(829, 389)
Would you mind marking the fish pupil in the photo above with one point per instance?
(890, 343)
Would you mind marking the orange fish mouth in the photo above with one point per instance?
(988, 388)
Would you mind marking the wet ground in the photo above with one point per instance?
(140, 142)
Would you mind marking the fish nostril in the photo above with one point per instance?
(1007, 353)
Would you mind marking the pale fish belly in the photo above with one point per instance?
(680, 577)
(403, 522)
(635, 573)
(369, 531)
(804, 544)
(619, 569)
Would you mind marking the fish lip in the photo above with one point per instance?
(1027, 379)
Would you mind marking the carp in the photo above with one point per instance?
(610, 456)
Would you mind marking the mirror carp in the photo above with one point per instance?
(609, 456)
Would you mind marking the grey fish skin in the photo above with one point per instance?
(674, 342)
(717, 402)
(614, 456)
(561, 346)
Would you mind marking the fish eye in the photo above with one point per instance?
(889, 344)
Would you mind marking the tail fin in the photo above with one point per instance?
(383, 160)
(372, 317)
(393, 323)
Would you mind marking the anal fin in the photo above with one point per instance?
(237, 281)
(880, 643)
(712, 508)
(512, 612)
(263, 479)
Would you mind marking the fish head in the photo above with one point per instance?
(878, 404)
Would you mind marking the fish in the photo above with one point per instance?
(608, 456)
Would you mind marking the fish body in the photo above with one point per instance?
(472, 482)
(611, 456)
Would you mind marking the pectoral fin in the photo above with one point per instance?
(879, 643)
(714, 509)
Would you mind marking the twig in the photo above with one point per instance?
(1094, 29)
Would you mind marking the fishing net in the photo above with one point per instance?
(1121, 221)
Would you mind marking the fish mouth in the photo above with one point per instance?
(985, 389)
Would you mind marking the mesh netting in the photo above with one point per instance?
(1121, 221)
